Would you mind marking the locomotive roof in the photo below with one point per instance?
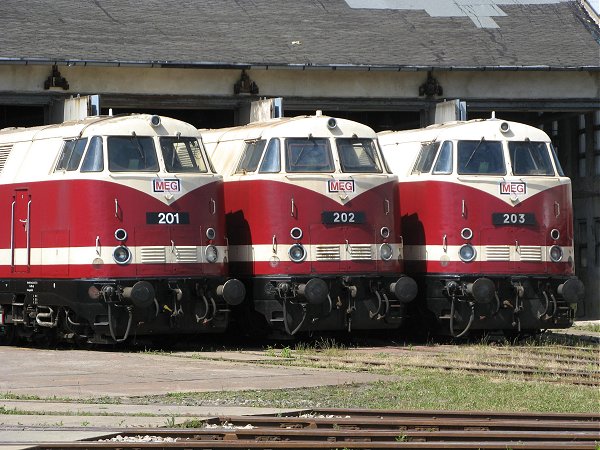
(103, 125)
(390, 34)
(465, 130)
(299, 126)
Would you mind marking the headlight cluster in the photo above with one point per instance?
(211, 253)
(297, 253)
(556, 253)
(386, 252)
(467, 253)
(121, 255)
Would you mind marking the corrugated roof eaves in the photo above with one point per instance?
(293, 66)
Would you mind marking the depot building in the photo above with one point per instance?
(389, 64)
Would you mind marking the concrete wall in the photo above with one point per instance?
(305, 83)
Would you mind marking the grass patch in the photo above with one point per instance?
(593, 327)
(418, 389)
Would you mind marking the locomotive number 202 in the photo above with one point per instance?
(341, 217)
(167, 218)
(513, 219)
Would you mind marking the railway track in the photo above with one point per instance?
(374, 429)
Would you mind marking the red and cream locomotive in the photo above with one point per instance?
(310, 219)
(111, 227)
(486, 212)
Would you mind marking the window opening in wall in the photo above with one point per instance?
(581, 163)
(597, 241)
(582, 239)
(596, 142)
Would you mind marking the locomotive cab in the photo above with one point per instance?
(309, 210)
(487, 215)
(116, 229)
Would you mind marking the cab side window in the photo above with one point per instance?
(443, 165)
(272, 161)
(71, 154)
(94, 158)
(426, 157)
(251, 156)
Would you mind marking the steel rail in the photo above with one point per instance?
(408, 423)
(250, 445)
(451, 414)
(359, 428)
(329, 435)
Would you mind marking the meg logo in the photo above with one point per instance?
(166, 185)
(340, 185)
(516, 188)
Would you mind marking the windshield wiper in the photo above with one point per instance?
(474, 150)
(138, 145)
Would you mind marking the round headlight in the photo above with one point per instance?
(120, 234)
(467, 253)
(466, 233)
(555, 234)
(385, 232)
(296, 233)
(386, 252)
(297, 253)
(211, 253)
(210, 233)
(121, 255)
(556, 253)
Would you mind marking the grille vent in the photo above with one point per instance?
(497, 253)
(153, 255)
(328, 252)
(361, 252)
(4, 152)
(187, 254)
(530, 253)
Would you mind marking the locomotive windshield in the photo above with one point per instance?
(182, 154)
(131, 154)
(358, 155)
(530, 158)
(308, 155)
(480, 158)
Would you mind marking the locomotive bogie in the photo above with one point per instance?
(517, 303)
(115, 224)
(325, 303)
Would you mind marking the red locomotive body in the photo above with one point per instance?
(487, 216)
(310, 217)
(112, 227)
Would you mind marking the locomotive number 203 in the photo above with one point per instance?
(513, 219)
(342, 217)
(167, 218)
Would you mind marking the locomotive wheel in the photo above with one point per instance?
(8, 334)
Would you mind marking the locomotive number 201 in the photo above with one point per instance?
(167, 218)
(513, 219)
(342, 217)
